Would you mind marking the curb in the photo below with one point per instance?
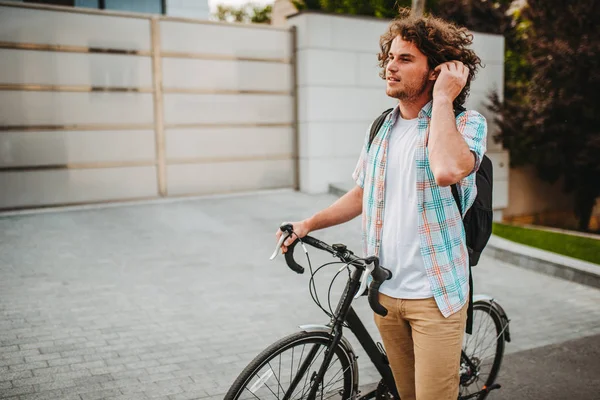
(559, 266)
(546, 262)
(337, 190)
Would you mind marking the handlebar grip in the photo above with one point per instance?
(289, 259)
(380, 274)
(374, 299)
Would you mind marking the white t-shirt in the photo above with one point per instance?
(400, 246)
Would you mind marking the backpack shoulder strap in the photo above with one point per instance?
(456, 198)
(377, 125)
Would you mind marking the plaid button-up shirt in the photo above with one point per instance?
(440, 228)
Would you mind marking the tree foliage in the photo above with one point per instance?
(249, 12)
(551, 121)
(489, 16)
(375, 8)
(478, 15)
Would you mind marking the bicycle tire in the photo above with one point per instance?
(489, 310)
(286, 343)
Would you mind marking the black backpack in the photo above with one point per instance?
(478, 218)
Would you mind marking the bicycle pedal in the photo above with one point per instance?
(493, 387)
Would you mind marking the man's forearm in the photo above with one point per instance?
(449, 155)
(343, 210)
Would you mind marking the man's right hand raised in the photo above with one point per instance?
(301, 228)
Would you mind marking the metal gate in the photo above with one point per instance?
(98, 106)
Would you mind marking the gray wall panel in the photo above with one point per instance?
(58, 68)
(60, 147)
(75, 186)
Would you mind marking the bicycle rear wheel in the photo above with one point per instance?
(484, 348)
(286, 369)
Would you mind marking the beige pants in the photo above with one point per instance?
(423, 347)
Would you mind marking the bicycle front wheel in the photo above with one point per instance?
(287, 369)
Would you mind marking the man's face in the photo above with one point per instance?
(407, 71)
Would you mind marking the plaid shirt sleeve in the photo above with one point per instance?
(473, 128)
(359, 172)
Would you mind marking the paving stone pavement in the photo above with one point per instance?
(172, 300)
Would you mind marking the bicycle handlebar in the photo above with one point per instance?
(289, 259)
(369, 265)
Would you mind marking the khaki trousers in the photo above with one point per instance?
(423, 347)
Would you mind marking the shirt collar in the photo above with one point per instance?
(425, 112)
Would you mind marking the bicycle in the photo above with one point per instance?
(325, 346)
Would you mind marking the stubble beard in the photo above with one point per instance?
(409, 93)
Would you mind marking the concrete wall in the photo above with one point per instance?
(533, 201)
(340, 93)
(99, 106)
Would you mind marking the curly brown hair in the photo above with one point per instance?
(438, 40)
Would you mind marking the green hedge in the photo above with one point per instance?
(583, 248)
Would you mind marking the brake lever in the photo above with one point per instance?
(363, 279)
(284, 236)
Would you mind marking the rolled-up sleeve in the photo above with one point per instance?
(473, 128)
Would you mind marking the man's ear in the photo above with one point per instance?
(433, 74)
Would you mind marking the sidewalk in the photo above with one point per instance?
(171, 301)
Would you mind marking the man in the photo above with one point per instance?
(410, 218)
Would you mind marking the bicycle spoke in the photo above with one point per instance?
(328, 368)
(478, 387)
(306, 383)
(296, 380)
(292, 364)
(493, 343)
(331, 395)
(271, 390)
(484, 314)
(490, 323)
(277, 378)
(300, 360)
(473, 334)
(305, 386)
(310, 366)
(330, 365)
(477, 343)
(252, 393)
(336, 374)
(341, 379)
(328, 384)
(279, 375)
(483, 340)
(476, 337)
